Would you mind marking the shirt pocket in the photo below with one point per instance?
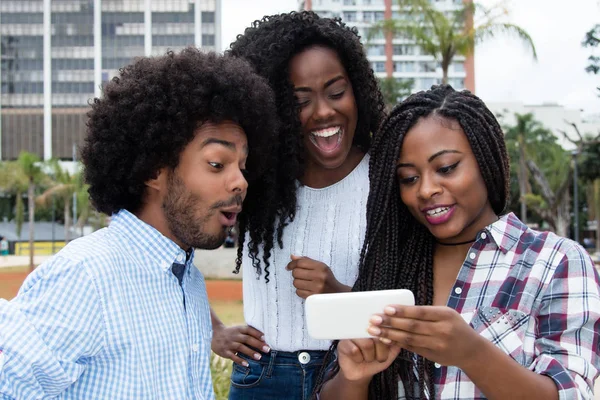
(504, 327)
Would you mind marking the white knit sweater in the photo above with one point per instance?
(330, 227)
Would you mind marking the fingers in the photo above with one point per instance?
(423, 313)
(254, 333)
(304, 263)
(243, 349)
(382, 351)
(304, 293)
(404, 324)
(407, 340)
(351, 349)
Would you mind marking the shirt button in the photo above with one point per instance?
(437, 365)
(195, 347)
(472, 256)
(165, 264)
(304, 358)
(458, 290)
(483, 235)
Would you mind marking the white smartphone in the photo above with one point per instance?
(336, 316)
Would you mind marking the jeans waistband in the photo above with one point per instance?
(314, 354)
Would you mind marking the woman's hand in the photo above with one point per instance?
(439, 334)
(227, 342)
(360, 359)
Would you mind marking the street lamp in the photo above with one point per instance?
(574, 153)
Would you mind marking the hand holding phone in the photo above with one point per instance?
(335, 316)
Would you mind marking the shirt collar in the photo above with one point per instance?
(162, 250)
(507, 231)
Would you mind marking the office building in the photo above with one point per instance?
(56, 54)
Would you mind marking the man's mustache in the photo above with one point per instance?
(237, 200)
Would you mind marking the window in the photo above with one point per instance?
(368, 16)
(458, 67)
(208, 40)
(208, 17)
(427, 83)
(403, 50)
(379, 66)
(376, 50)
(428, 66)
(349, 2)
(457, 83)
(350, 16)
(404, 66)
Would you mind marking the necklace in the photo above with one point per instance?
(455, 244)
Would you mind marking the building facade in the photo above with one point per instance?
(56, 54)
(396, 57)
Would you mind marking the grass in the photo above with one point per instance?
(231, 313)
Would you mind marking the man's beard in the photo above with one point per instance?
(180, 207)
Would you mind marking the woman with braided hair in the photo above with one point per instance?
(503, 311)
(302, 233)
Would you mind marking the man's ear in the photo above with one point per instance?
(159, 181)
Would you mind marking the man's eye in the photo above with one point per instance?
(216, 165)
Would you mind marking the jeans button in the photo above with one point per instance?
(304, 358)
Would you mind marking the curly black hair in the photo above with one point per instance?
(398, 250)
(150, 112)
(269, 44)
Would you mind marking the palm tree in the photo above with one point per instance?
(64, 186)
(14, 182)
(445, 34)
(524, 135)
(29, 164)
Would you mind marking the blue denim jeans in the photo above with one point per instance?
(278, 375)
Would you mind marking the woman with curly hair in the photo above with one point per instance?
(123, 313)
(302, 233)
(503, 311)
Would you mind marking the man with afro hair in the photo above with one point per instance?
(123, 313)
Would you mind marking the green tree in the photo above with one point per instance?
(395, 90)
(592, 40)
(30, 165)
(538, 161)
(446, 34)
(522, 139)
(14, 182)
(63, 186)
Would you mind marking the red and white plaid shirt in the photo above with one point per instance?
(536, 296)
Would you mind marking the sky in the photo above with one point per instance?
(504, 70)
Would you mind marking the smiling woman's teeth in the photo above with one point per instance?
(327, 140)
(327, 132)
(438, 211)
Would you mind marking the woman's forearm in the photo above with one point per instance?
(498, 376)
(339, 388)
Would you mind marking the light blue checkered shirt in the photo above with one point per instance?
(105, 319)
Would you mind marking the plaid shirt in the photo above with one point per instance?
(105, 319)
(534, 295)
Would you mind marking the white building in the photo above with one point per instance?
(552, 116)
(56, 54)
(396, 57)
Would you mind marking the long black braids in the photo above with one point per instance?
(269, 44)
(398, 250)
